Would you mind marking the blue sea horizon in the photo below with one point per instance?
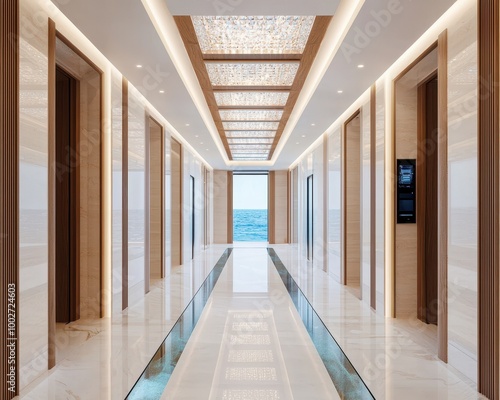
(250, 225)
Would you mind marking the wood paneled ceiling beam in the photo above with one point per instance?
(188, 34)
(316, 37)
(199, 60)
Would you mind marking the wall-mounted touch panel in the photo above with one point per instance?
(406, 192)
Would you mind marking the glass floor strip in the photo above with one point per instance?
(152, 382)
(344, 376)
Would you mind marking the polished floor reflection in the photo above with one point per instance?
(250, 341)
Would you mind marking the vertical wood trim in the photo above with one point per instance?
(488, 240)
(77, 200)
(124, 193)
(326, 192)
(443, 196)
(272, 207)
(373, 197)
(52, 193)
(344, 195)
(9, 201)
(103, 221)
(230, 207)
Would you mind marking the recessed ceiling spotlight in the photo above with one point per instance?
(361, 66)
(340, 91)
(196, 135)
(297, 143)
(313, 124)
(303, 135)
(139, 66)
(162, 91)
(207, 149)
(201, 142)
(189, 125)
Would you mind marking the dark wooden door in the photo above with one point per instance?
(431, 206)
(67, 280)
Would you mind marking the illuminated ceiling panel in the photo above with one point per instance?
(247, 140)
(237, 147)
(251, 99)
(249, 151)
(251, 115)
(254, 73)
(250, 126)
(255, 134)
(252, 34)
(251, 70)
(252, 158)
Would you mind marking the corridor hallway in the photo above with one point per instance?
(250, 341)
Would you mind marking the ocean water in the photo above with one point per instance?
(250, 225)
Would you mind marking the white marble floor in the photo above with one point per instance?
(250, 342)
(395, 358)
(103, 359)
(218, 359)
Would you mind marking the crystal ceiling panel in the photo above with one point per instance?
(249, 151)
(251, 147)
(249, 141)
(246, 134)
(251, 99)
(250, 126)
(252, 34)
(268, 73)
(251, 115)
(244, 158)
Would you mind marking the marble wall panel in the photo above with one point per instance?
(462, 186)
(334, 205)
(33, 194)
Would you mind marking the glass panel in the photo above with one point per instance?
(251, 115)
(267, 73)
(253, 34)
(250, 126)
(154, 379)
(344, 376)
(247, 99)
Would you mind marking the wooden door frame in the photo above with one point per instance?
(344, 195)
(147, 265)
(53, 36)
(442, 48)
(181, 199)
